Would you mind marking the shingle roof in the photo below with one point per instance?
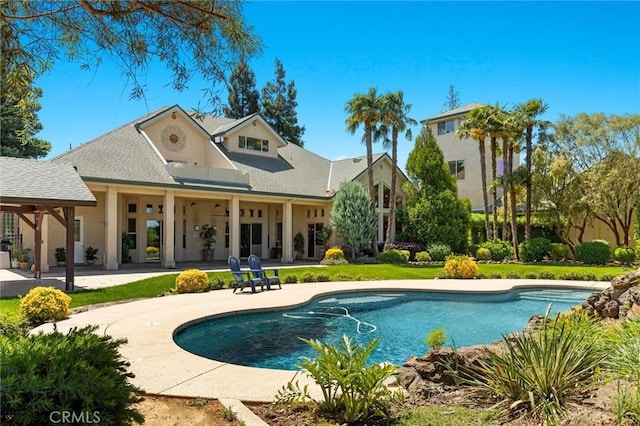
(30, 181)
(455, 111)
(124, 155)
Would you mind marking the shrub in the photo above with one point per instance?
(151, 250)
(531, 276)
(308, 277)
(13, 325)
(559, 251)
(42, 304)
(535, 249)
(495, 275)
(596, 252)
(334, 253)
(217, 283)
(192, 281)
(461, 267)
(436, 338)
(624, 255)
(290, 279)
(393, 256)
(443, 275)
(607, 277)
(500, 250)
(539, 371)
(572, 276)
(438, 252)
(350, 386)
(512, 275)
(546, 275)
(423, 256)
(483, 253)
(81, 372)
(323, 278)
(472, 250)
(412, 248)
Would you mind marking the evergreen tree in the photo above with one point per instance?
(453, 99)
(351, 217)
(434, 213)
(243, 95)
(19, 104)
(279, 107)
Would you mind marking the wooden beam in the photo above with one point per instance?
(27, 220)
(56, 215)
(70, 215)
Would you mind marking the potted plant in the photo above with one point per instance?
(298, 245)
(208, 233)
(61, 256)
(21, 254)
(90, 255)
(128, 243)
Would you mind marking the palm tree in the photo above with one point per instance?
(528, 112)
(395, 118)
(494, 128)
(475, 127)
(366, 109)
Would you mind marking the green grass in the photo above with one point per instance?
(152, 287)
(446, 416)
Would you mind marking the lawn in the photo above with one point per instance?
(152, 287)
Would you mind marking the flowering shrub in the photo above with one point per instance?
(192, 281)
(461, 267)
(334, 253)
(44, 304)
(412, 248)
(438, 252)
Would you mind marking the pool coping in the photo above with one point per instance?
(161, 367)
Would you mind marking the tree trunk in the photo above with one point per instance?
(494, 189)
(369, 141)
(505, 172)
(483, 177)
(527, 222)
(392, 201)
(514, 213)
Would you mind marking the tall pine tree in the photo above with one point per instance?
(243, 95)
(279, 107)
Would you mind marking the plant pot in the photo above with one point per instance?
(207, 254)
(62, 263)
(15, 264)
(24, 265)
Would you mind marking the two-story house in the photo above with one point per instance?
(463, 155)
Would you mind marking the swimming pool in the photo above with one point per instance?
(402, 319)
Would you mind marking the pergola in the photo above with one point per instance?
(32, 189)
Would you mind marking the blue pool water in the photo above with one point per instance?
(402, 320)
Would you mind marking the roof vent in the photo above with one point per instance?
(357, 160)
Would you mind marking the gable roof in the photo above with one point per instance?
(125, 156)
(26, 181)
(456, 111)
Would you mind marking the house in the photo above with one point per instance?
(160, 179)
(463, 155)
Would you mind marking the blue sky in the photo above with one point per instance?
(577, 56)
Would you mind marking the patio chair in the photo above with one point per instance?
(259, 273)
(243, 278)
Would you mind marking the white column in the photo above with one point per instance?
(44, 258)
(110, 261)
(287, 232)
(168, 218)
(234, 226)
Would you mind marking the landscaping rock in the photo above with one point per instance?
(618, 300)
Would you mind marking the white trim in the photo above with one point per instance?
(153, 147)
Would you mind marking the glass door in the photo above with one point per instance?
(154, 240)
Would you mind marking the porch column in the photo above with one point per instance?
(37, 250)
(168, 217)
(287, 232)
(111, 239)
(234, 226)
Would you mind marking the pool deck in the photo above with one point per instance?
(161, 367)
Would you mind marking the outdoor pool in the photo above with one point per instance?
(402, 319)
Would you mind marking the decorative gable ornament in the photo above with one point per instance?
(173, 138)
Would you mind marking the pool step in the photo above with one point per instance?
(553, 296)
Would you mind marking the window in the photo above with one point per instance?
(386, 195)
(132, 208)
(457, 168)
(131, 232)
(446, 127)
(255, 144)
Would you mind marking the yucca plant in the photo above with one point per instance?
(538, 372)
(346, 381)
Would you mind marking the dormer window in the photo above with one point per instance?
(253, 144)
